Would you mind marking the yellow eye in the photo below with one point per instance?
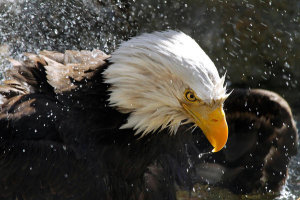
(190, 96)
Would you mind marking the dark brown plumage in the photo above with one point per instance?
(59, 138)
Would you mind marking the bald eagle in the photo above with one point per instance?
(85, 125)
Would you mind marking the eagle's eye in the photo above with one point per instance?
(190, 96)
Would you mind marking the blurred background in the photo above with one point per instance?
(255, 42)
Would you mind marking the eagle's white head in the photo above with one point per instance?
(164, 79)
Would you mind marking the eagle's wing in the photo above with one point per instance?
(40, 152)
(262, 138)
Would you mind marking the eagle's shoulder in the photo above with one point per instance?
(51, 72)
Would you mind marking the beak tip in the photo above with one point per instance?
(219, 146)
(217, 149)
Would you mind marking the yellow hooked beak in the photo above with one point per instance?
(212, 122)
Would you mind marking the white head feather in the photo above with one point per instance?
(149, 75)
